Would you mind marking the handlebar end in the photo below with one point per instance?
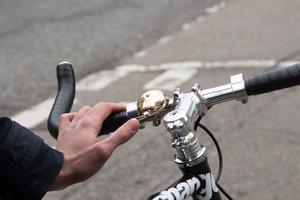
(64, 98)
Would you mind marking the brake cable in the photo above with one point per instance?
(220, 168)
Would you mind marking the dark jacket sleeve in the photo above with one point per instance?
(28, 166)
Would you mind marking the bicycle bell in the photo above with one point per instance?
(150, 105)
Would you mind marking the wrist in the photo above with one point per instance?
(63, 180)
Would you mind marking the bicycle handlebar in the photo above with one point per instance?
(238, 90)
(64, 98)
(273, 80)
(113, 122)
(64, 101)
(180, 114)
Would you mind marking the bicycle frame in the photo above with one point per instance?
(197, 182)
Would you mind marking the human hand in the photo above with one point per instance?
(84, 154)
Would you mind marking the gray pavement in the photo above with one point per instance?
(260, 140)
(93, 34)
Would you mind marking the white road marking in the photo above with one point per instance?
(131, 68)
(200, 19)
(34, 115)
(200, 65)
(164, 40)
(100, 80)
(186, 26)
(37, 114)
(240, 63)
(287, 63)
(140, 54)
(209, 11)
(178, 65)
(170, 79)
(215, 8)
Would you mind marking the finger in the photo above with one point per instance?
(71, 116)
(93, 117)
(102, 110)
(115, 107)
(65, 120)
(81, 113)
(122, 135)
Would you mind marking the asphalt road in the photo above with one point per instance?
(260, 140)
(36, 35)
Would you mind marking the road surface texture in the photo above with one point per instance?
(260, 140)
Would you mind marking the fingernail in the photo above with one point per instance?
(133, 125)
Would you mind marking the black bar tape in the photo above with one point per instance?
(273, 80)
(65, 96)
(64, 101)
(113, 122)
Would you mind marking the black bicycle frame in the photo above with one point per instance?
(197, 181)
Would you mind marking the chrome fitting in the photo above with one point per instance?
(132, 110)
(187, 147)
(180, 124)
(233, 91)
(238, 88)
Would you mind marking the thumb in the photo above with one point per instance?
(123, 133)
